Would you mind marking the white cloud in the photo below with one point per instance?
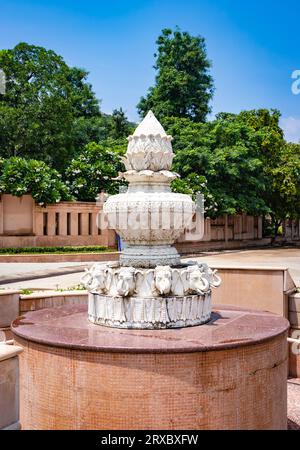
(291, 128)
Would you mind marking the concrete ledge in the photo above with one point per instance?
(294, 318)
(49, 299)
(9, 291)
(49, 293)
(294, 302)
(9, 386)
(294, 310)
(263, 288)
(9, 306)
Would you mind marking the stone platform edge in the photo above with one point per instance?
(119, 344)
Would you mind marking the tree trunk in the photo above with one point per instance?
(276, 224)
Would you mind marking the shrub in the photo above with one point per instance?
(19, 176)
(93, 170)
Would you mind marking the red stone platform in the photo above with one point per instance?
(227, 374)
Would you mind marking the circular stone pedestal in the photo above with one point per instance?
(149, 313)
(227, 374)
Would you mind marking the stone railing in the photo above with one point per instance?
(225, 232)
(291, 230)
(23, 223)
(230, 228)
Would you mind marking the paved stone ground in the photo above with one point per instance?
(53, 283)
(41, 275)
(21, 268)
(294, 404)
(287, 257)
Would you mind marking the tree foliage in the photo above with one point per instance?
(93, 170)
(283, 193)
(120, 127)
(183, 85)
(280, 167)
(219, 159)
(19, 176)
(240, 162)
(101, 128)
(44, 98)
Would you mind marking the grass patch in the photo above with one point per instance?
(55, 250)
(25, 292)
(77, 287)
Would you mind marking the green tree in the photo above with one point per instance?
(120, 126)
(19, 176)
(183, 86)
(283, 193)
(280, 166)
(241, 163)
(43, 99)
(219, 159)
(93, 170)
(91, 129)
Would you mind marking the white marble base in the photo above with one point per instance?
(149, 256)
(149, 313)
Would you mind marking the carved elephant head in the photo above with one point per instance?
(196, 280)
(126, 282)
(163, 279)
(144, 282)
(215, 280)
(94, 279)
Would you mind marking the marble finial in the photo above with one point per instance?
(149, 148)
(150, 125)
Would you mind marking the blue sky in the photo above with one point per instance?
(254, 46)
